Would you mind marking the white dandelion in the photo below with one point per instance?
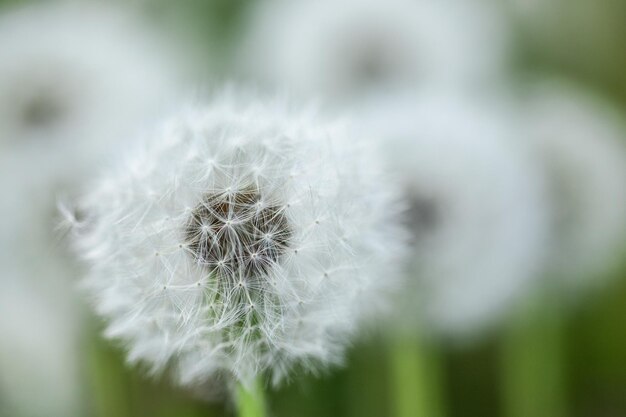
(243, 238)
(477, 212)
(342, 49)
(582, 142)
(73, 78)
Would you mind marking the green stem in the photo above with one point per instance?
(416, 378)
(533, 364)
(251, 400)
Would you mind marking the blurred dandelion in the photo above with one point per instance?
(343, 49)
(73, 79)
(580, 141)
(478, 216)
(242, 238)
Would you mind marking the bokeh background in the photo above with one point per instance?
(554, 364)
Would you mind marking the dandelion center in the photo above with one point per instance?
(42, 110)
(423, 215)
(236, 235)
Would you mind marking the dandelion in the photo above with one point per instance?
(477, 213)
(477, 223)
(243, 237)
(580, 140)
(73, 78)
(343, 49)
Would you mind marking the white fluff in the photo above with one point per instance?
(344, 48)
(477, 209)
(243, 237)
(582, 143)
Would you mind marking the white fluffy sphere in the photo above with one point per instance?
(344, 48)
(74, 77)
(582, 143)
(477, 210)
(243, 237)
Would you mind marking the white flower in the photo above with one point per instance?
(581, 141)
(477, 212)
(343, 48)
(244, 237)
(73, 78)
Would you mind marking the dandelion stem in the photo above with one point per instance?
(532, 364)
(251, 400)
(416, 379)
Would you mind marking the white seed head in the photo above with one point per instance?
(244, 237)
(477, 211)
(73, 78)
(342, 49)
(581, 141)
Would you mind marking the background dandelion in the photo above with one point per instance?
(580, 140)
(74, 79)
(344, 49)
(477, 210)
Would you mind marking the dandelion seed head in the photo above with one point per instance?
(236, 231)
(349, 48)
(477, 210)
(291, 233)
(579, 139)
(74, 78)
